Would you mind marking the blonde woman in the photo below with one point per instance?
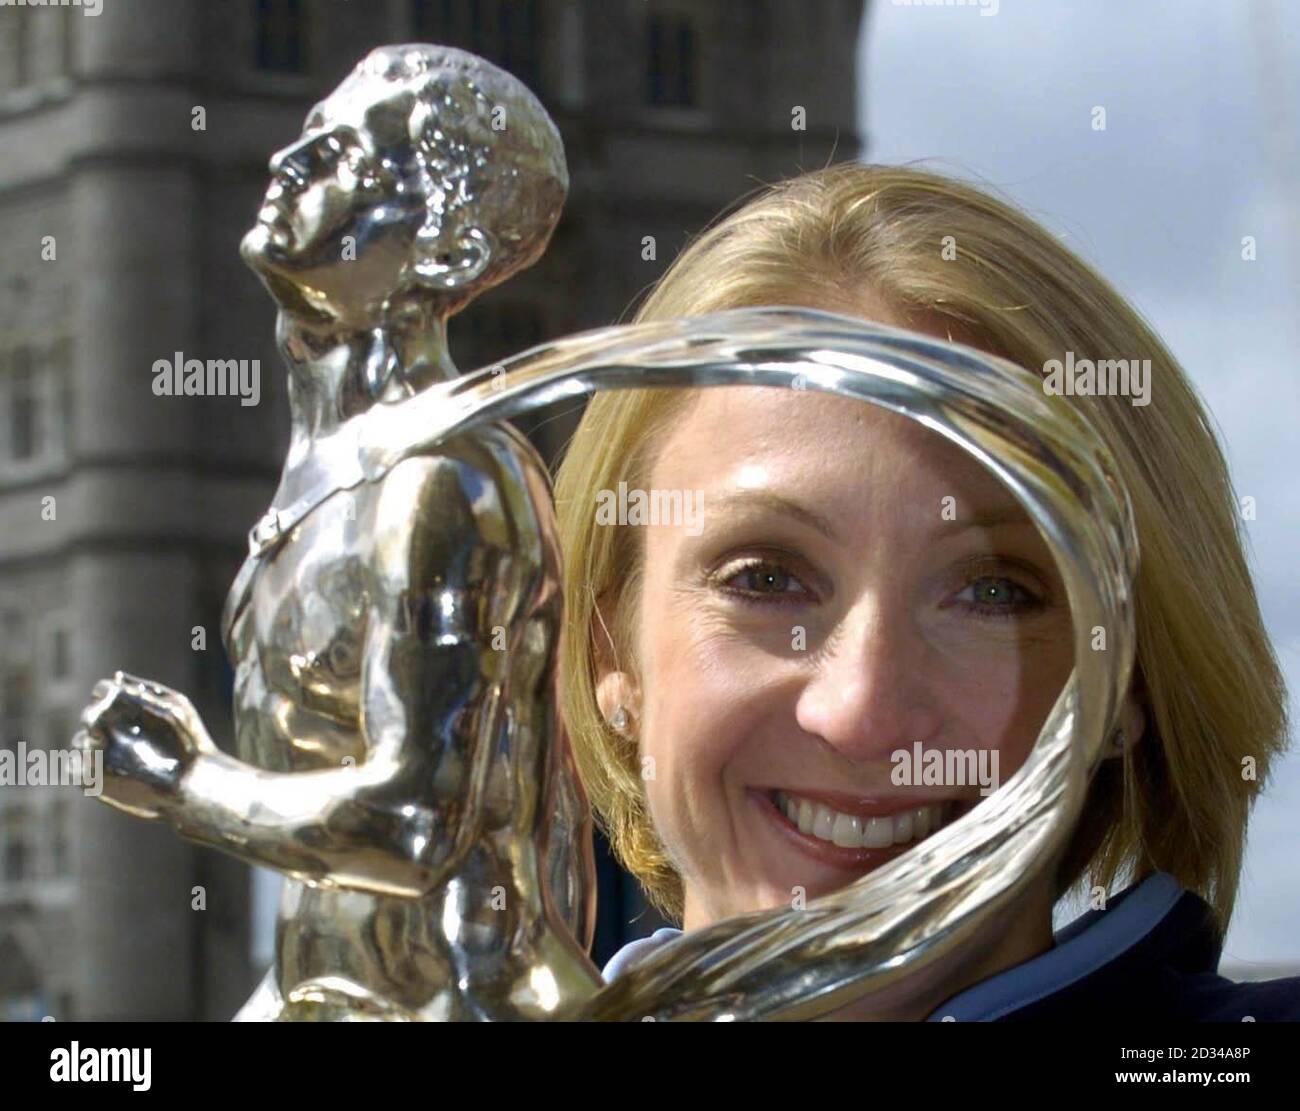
(919, 631)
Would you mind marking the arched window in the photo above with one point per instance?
(35, 44)
(280, 36)
(35, 405)
(502, 31)
(671, 60)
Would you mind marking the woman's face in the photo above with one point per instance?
(854, 587)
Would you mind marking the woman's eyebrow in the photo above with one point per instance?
(1001, 516)
(776, 503)
(988, 518)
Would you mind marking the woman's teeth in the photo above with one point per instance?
(851, 832)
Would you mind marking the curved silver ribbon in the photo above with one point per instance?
(934, 899)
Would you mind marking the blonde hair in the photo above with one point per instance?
(1214, 696)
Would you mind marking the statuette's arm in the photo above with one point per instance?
(329, 827)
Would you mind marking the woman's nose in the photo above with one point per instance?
(867, 692)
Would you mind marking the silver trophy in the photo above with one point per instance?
(394, 627)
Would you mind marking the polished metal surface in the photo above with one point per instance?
(394, 627)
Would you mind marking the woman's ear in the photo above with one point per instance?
(615, 688)
(614, 692)
(1132, 718)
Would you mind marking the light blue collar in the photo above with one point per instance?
(633, 949)
(1087, 944)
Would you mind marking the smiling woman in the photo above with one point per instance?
(737, 694)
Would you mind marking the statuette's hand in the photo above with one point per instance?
(150, 736)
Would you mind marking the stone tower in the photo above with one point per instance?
(136, 137)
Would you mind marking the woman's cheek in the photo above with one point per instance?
(690, 734)
(1006, 706)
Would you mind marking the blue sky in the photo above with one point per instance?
(1200, 149)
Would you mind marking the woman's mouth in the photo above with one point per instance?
(853, 840)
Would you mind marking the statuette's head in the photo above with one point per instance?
(428, 176)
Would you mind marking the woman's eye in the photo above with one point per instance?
(762, 581)
(995, 596)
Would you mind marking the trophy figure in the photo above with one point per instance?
(394, 626)
(394, 650)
